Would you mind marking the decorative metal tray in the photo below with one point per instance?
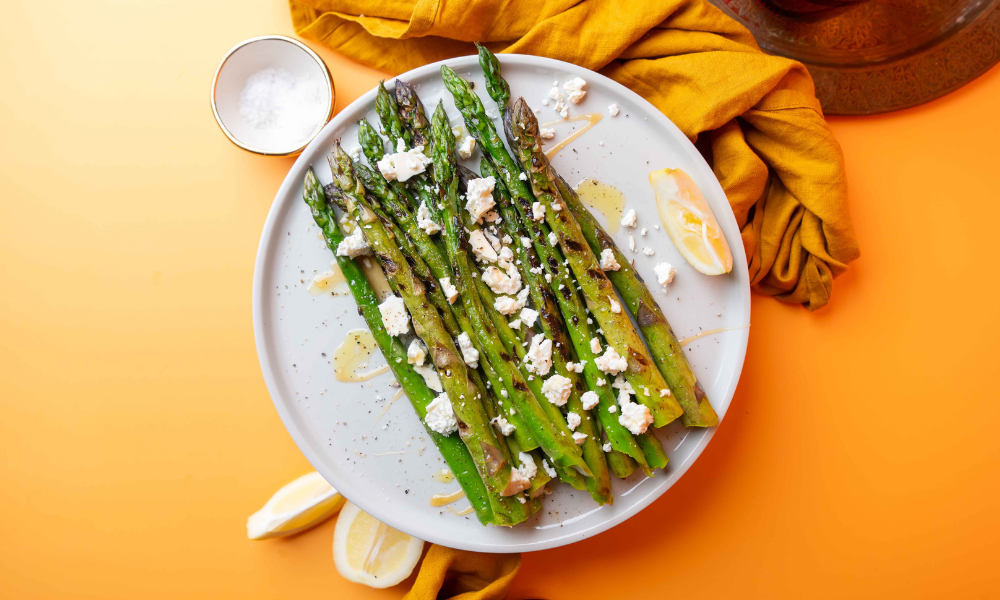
(881, 55)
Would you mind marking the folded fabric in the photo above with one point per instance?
(778, 162)
(462, 575)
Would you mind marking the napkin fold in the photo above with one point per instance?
(463, 575)
(777, 160)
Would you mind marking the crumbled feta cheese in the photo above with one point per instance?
(572, 420)
(404, 163)
(556, 206)
(560, 106)
(508, 306)
(450, 291)
(553, 238)
(621, 384)
(416, 353)
(501, 282)
(547, 133)
(394, 315)
(644, 231)
(574, 90)
(629, 220)
(615, 306)
(528, 316)
(601, 382)
(424, 220)
(648, 251)
(595, 345)
(515, 324)
(538, 211)
(608, 260)
(492, 216)
(557, 389)
(526, 242)
(507, 239)
(635, 417)
(355, 154)
(548, 469)
(664, 273)
(354, 245)
(575, 367)
(523, 176)
(579, 438)
(479, 196)
(469, 354)
(494, 240)
(466, 147)
(430, 376)
(538, 359)
(481, 247)
(441, 416)
(606, 447)
(664, 392)
(505, 254)
(610, 362)
(502, 426)
(590, 399)
(527, 468)
(612, 409)
(631, 243)
(613, 110)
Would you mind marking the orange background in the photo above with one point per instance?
(860, 457)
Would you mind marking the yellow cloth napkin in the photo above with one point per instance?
(776, 158)
(461, 575)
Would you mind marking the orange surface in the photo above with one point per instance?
(859, 459)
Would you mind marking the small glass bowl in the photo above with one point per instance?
(245, 59)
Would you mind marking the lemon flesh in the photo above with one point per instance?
(370, 552)
(303, 503)
(690, 222)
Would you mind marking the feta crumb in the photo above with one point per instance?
(575, 367)
(416, 353)
(608, 260)
(404, 163)
(635, 417)
(579, 438)
(631, 243)
(505, 255)
(548, 469)
(526, 242)
(527, 469)
(507, 239)
(595, 345)
(508, 306)
(574, 90)
(629, 220)
(553, 238)
(503, 426)
(481, 247)
(515, 324)
(556, 206)
(615, 306)
(466, 147)
(610, 362)
(354, 245)
(664, 392)
(601, 382)
(606, 447)
(648, 251)
(612, 409)
(355, 154)
(547, 133)
(538, 211)
(430, 376)
(613, 110)
(479, 196)
(441, 416)
(424, 220)
(469, 354)
(572, 420)
(523, 176)
(450, 291)
(621, 384)
(590, 399)
(644, 231)
(528, 316)
(518, 483)
(394, 316)
(538, 359)
(664, 273)
(501, 282)
(557, 389)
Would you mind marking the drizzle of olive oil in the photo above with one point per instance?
(442, 499)
(353, 354)
(701, 334)
(465, 511)
(331, 281)
(591, 119)
(373, 272)
(606, 199)
(443, 476)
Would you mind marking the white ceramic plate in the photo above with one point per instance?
(388, 473)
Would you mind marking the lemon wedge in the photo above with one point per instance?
(303, 503)
(370, 552)
(690, 222)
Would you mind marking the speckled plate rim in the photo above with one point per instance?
(641, 498)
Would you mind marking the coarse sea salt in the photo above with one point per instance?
(285, 109)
